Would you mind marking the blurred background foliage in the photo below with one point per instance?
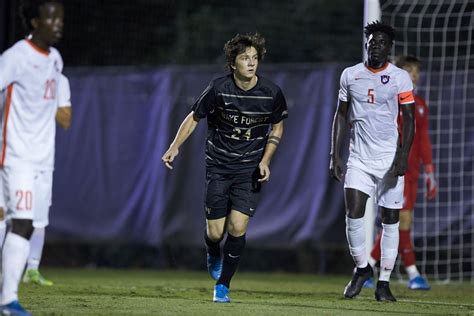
(158, 32)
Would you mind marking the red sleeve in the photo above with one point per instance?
(422, 128)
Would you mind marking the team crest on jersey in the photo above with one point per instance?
(385, 79)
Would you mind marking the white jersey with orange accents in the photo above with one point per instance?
(374, 96)
(30, 77)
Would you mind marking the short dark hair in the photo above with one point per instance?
(239, 43)
(29, 9)
(378, 26)
(407, 60)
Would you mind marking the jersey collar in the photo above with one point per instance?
(373, 70)
(37, 48)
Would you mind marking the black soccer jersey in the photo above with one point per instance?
(238, 122)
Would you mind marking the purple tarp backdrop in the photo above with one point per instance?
(110, 183)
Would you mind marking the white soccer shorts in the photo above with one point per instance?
(28, 194)
(370, 177)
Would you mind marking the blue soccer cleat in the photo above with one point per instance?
(13, 309)
(221, 294)
(418, 283)
(214, 266)
(369, 284)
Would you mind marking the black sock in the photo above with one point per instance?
(233, 248)
(363, 270)
(213, 248)
(381, 284)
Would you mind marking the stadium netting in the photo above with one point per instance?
(440, 34)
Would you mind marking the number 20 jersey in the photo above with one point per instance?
(29, 78)
(374, 96)
(238, 122)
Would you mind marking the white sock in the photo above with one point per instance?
(372, 261)
(412, 271)
(389, 245)
(355, 233)
(36, 248)
(15, 251)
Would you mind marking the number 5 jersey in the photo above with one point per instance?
(374, 96)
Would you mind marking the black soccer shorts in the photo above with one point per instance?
(226, 192)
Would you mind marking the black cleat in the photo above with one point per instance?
(383, 293)
(358, 279)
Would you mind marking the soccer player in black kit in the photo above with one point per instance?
(245, 115)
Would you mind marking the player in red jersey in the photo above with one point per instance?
(420, 153)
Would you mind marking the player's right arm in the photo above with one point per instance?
(201, 108)
(338, 129)
(10, 68)
(185, 130)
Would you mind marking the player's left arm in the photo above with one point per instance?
(400, 163)
(270, 149)
(408, 112)
(64, 116)
(64, 111)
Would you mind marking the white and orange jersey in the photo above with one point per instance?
(64, 92)
(30, 77)
(374, 96)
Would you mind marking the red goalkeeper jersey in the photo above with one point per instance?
(420, 152)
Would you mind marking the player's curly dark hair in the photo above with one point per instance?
(407, 60)
(378, 26)
(29, 9)
(239, 43)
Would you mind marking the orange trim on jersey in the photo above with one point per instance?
(406, 97)
(8, 103)
(37, 48)
(378, 69)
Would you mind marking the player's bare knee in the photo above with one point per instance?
(215, 232)
(390, 216)
(215, 236)
(22, 227)
(355, 201)
(237, 229)
(355, 213)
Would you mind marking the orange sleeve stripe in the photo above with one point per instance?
(8, 102)
(406, 97)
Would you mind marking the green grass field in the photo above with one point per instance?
(146, 292)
